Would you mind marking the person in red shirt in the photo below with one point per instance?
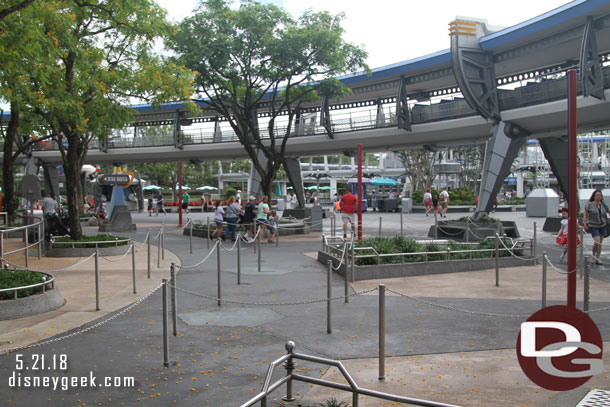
(348, 208)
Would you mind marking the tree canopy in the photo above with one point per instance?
(259, 54)
(90, 59)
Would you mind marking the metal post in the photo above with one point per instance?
(467, 230)
(289, 365)
(534, 245)
(40, 239)
(582, 252)
(208, 229)
(381, 331)
(165, 333)
(497, 260)
(332, 225)
(401, 228)
(97, 281)
(258, 242)
(323, 244)
(277, 234)
(218, 283)
(159, 250)
(133, 265)
(148, 253)
(172, 296)
(572, 185)
(346, 285)
(163, 243)
(1, 249)
(328, 296)
(544, 263)
(238, 258)
(27, 256)
(191, 235)
(353, 262)
(585, 285)
(435, 225)
(380, 226)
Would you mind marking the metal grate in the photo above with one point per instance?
(596, 398)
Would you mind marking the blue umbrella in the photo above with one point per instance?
(383, 181)
(151, 188)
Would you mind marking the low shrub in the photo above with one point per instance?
(84, 241)
(19, 278)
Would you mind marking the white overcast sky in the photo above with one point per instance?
(397, 30)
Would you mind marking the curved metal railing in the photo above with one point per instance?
(43, 284)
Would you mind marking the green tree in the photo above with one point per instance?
(100, 57)
(258, 54)
(13, 6)
(419, 167)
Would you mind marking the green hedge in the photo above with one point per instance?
(92, 238)
(398, 244)
(19, 278)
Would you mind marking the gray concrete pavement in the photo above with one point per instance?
(221, 355)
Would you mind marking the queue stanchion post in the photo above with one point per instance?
(346, 285)
(165, 330)
(381, 331)
(148, 253)
(1, 250)
(435, 225)
(277, 234)
(467, 230)
(97, 281)
(497, 260)
(380, 226)
(191, 235)
(159, 250)
(534, 245)
(401, 225)
(238, 258)
(133, 265)
(544, 271)
(218, 277)
(585, 285)
(40, 239)
(172, 295)
(26, 251)
(328, 297)
(353, 262)
(208, 229)
(258, 242)
(582, 252)
(163, 243)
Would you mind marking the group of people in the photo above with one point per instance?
(250, 216)
(432, 202)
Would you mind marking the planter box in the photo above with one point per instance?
(68, 251)
(476, 231)
(421, 268)
(32, 305)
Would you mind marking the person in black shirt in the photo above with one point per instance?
(249, 215)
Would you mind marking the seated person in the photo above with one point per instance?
(101, 213)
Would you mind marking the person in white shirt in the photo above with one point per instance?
(444, 200)
(49, 205)
(428, 201)
(238, 197)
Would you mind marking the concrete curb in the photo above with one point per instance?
(32, 305)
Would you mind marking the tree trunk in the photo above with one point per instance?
(72, 169)
(8, 180)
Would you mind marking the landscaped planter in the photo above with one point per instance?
(37, 294)
(32, 305)
(420, 268)
(85, 249)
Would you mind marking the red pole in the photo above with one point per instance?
(179, 193)
(572, 181)
(359, 192)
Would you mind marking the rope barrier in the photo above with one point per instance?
(120, 258)
(202, 261)
(447, 307)
(271, 304)
(82, 331)
(144, 242)
(512, 253)
(48, 271)
(231, 249)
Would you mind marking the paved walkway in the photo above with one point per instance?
(220, 355)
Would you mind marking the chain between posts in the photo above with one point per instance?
(51, 270)
(82, 331)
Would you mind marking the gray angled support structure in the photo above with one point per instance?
(556, 153)
(293, 170)
(217, 137)
(502, 149)
(591, 72)
(403, 118)
(325, 118)
(473, 68)
(380, 122)
(255, 188)
(51, 179)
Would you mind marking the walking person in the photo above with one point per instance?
(435, 204)
(348, 209)
(249, 218)
(596, 222)
(272, 225)
(428, 201)
(262, 212)
(233, 211)
(185, 201)
(562, 236)
(160, 205)
(150, 205)
(218, 219)
(204, 204)
(444, 199)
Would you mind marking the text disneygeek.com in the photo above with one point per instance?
(41, 363)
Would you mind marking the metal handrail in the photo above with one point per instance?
(351, 387)
(51, 281)
(18, 228)
(83, 244)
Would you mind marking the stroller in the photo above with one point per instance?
(55, 225)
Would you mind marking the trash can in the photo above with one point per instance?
(407, 205)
